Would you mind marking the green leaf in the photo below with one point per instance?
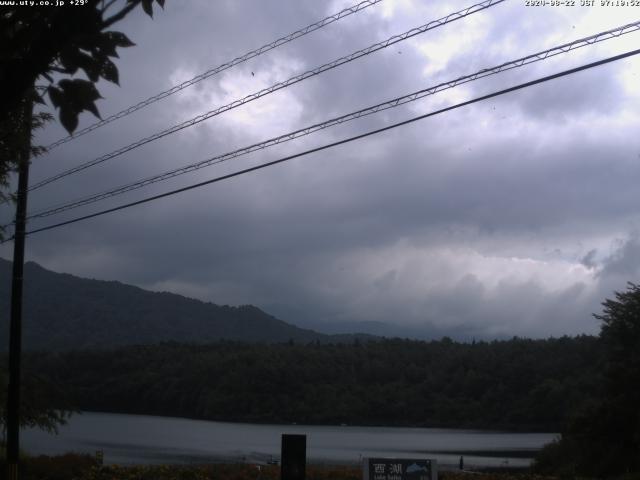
(69, 119)
(119, 39)
(90, 65)
(79, 91)
(69, 60)
(106, 44)
(74, 97)
(56, 95)
(109, 71)
(147, 6)
(92, 108)
(39, 99)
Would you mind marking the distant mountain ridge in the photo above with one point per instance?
(63, 312)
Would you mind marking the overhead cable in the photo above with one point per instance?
(220, 68)
(275, 87)
(340, 142)
(613, 33)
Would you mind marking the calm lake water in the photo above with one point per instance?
(138, 439)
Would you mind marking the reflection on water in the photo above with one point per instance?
(131, 439)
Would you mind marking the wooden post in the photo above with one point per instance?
(293, 457)
(15, 328)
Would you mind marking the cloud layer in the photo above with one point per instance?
(514, 216)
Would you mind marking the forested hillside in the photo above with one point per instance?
(62, 311)
(518, 384)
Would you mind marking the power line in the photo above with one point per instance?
(220, 68)
(340, 142)
(277, 86)
(613, 33)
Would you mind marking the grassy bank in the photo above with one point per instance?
(84, 467)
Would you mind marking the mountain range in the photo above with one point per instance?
(63, 312)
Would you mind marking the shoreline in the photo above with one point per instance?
(470, 429)
(85, 467)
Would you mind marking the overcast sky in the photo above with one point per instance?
(513, 216)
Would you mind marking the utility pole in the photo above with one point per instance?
(15, 332)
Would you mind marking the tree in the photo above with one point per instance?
(38, 43)
(603, 439)
(619, 414)
(11, 146)
(36, 410)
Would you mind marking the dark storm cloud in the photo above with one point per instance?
(589, 259)
(481, 218)
(625, 261)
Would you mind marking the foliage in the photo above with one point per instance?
(38, 44)
(11, 146)
(516, 384)
(37, 395)
(82, 467)
(176, 472)
(42, 42)
(63, 467)
(604, 438)
(620, 335)
(491, 476)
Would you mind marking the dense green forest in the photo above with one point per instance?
(515, 384)
(602, 438)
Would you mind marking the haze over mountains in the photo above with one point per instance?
(63, 311)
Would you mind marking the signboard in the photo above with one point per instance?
(399, 469)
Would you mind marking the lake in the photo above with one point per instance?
(140, 439)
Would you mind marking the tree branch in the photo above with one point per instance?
(107, 6)
(119, 16)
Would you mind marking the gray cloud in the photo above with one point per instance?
(624, 262)
(589, 259)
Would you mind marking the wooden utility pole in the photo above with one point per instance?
(15, 332)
